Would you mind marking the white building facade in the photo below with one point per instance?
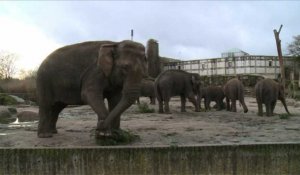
(266, 66)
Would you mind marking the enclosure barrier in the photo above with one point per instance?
(211, 159)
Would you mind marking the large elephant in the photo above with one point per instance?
(213, 93)
(147, 89)
(177, 82)
(87, 73)
(267, 92)
(234, 90)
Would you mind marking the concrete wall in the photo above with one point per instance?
(228, 159)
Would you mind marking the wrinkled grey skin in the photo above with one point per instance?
(147, 90)
(213, 93)
(177, 82)
(87, 73)
(234, 90)
(267, 92)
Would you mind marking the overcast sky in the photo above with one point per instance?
(184, 29)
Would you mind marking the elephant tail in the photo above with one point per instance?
(157, 91)
(241, 98)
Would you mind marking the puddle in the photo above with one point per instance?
(17, 124)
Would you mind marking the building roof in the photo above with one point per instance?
(234, 50)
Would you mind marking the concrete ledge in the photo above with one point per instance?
(210, 159)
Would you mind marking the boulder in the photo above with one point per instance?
(27, 116)
(5, 116)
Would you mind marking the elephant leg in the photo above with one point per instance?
(166, 104)
(112, 103)
(44, 127)
(244, 105)
(260, 108)
(56, 109)
(233, 105)
(138, 100)
(192, 99)
(152, 100)
(96, 101)
(160, 106)
(273, 104)
(227, 104)
(219, 105)
(183, 101)
(268, 109)
(206, 104)
(166, 99)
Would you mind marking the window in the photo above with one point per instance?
(203, 66)
(270, 63)
(229, 64)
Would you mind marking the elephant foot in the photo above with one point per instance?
(245, 111)
(45, 135)
(103, 130)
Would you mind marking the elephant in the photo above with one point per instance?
(234, 90)
(267, 92)
(213, 93)
(88, 73)
(147, 90)
(177, 82)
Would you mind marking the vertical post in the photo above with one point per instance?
(131, 34)
(278, 44)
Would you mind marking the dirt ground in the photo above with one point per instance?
(76, 127)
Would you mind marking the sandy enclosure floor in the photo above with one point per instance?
(76, 127)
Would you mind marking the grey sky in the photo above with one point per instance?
(185, 30)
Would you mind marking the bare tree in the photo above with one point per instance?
(7, 64)
(28, 74)
(294, 47)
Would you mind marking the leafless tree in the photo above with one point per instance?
(294, 47)
(7, 64)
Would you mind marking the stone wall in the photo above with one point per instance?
(212, 159)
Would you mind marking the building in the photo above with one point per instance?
(232, 62)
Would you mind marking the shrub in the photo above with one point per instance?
(284, 116)
(144, 108)
(7, 100)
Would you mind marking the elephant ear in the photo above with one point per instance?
(105, 58)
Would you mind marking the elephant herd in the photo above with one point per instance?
(188, 85)
(89, 72)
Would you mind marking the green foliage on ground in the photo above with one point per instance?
(7, 100)
(144, 108)
(118, 137)
(284, 116)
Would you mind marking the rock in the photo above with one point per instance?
(27, 116)
(18, 99)
(5, 116)
(12, 110)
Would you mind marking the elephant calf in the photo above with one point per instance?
(177, 82)
(234, 90)
(267, 92)
(213, 93)
(147, 90)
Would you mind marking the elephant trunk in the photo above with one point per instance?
(284, 104)
(129, 96)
